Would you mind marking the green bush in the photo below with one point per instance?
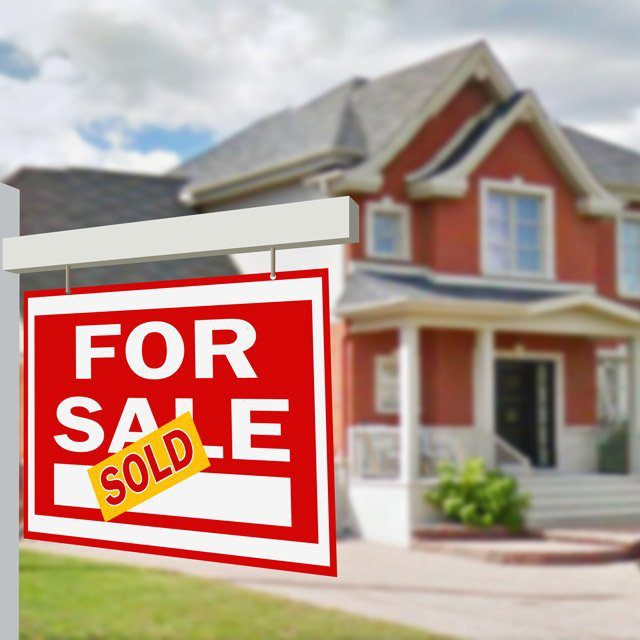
(613, 451)
(478, 497)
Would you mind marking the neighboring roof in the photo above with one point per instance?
(353, 121)
(378, 288)
(61, 199)
(612, 164)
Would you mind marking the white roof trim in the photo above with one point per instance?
(299, 166)
(597, 200)
(497, 310)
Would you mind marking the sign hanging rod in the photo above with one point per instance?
(283, 226)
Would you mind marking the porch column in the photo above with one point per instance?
(409, 381)
(484, 395)
(634, 405)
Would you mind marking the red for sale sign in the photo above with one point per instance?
(247, 357)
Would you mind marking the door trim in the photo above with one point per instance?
(556, 358)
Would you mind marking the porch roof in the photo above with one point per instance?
(375, 298)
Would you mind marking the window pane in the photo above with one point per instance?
(529, 260)
(498, 207)
(528, 235)
(514, 233)
(387, 392)
(528, 209)
(498, 230)
(498, 258)
(387, 234)
(631, 233)
(630, 247)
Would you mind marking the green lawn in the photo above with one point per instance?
(67, 598)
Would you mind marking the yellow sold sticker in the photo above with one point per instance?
(145, 468)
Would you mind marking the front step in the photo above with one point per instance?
(582, 500)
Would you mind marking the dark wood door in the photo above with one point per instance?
(525, 412)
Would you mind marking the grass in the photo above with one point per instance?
(72, 599)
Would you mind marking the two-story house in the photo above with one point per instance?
(499, 263)
(499, 256)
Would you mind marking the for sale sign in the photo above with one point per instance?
(245, 358)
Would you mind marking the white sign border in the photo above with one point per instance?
(318, 554)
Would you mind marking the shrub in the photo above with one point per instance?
(478, 497)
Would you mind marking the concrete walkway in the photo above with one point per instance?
(461, 597)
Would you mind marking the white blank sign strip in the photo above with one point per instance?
(210, 496)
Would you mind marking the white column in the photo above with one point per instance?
(634, 405)
(9, 398)
(409, 380)
(484, 393)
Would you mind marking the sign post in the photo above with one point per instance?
(9, 399)
(247, 357)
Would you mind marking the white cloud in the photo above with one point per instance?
(220, 65)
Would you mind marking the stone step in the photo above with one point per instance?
(531, 552)
(593, 500)
(584, 516)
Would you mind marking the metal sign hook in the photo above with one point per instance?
(67, 279)
(273, 263)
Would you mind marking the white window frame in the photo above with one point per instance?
(388, 205)
(380, 362)
(627, 216)
(518, 187)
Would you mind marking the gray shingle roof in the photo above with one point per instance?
(368, 287)
(57, 200)
(611, 163)
(359, 115)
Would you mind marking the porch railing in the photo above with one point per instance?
(375, 452)
(509, 458)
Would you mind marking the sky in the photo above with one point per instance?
(143, 84)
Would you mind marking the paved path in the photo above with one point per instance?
(451, 595)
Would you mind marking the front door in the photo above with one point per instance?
(525, 408)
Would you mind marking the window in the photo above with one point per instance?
(515, 232)
(386, 384)
(629, 242)
(388, 230)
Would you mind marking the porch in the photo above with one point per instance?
(555, 336)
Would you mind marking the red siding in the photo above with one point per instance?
(433, 136)
(446, 377)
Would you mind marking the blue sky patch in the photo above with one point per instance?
(16, 63)
(184, 141)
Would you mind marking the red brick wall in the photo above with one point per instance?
(433, 136)
(364, 347)
(447, 375)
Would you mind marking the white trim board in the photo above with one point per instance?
(298, 224)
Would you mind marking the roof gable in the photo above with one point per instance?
(449, 175)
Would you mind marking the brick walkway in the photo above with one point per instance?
(452, 595)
